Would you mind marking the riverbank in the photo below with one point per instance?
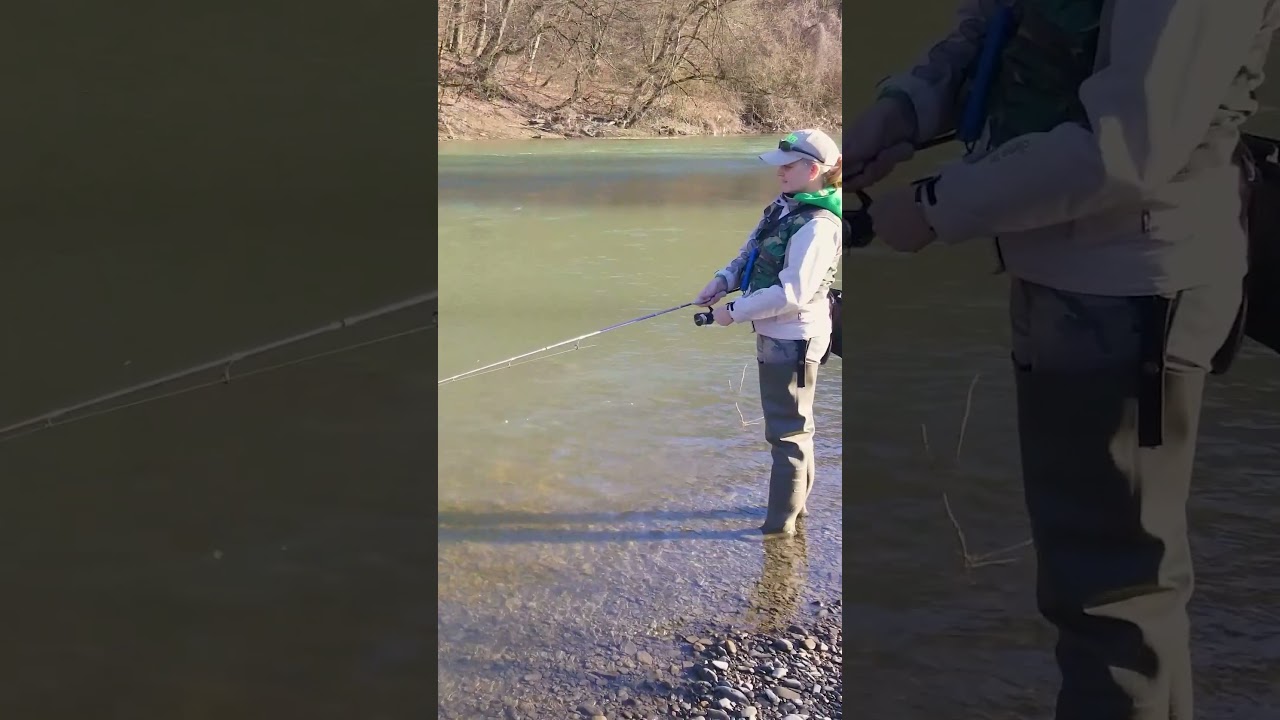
(790, 673)
(600, 68)
(519, 104)
(464, 117)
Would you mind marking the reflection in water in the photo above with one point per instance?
(621, 190)
(776, 599)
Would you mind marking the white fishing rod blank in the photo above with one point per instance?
(503, 364)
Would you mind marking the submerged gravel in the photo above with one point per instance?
(785, 672)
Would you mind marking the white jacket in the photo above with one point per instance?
(796, 308)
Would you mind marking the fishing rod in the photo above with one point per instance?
(48, 419)
(503, 364)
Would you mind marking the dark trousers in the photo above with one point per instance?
(1108, 515)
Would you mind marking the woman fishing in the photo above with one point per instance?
(784, 271)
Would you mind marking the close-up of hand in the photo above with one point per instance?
(899, 221)
(714, 290)
(876, 143)
(721, 315)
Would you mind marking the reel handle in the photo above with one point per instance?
(858, 229)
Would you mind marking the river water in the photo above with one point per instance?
(608, 492)
(605, 495)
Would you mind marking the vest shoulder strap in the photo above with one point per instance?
(771, 223)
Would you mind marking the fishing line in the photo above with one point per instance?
(59, 416)
(510, 362)
(533, 360)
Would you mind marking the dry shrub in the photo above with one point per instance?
(707, 110)
(791, 76)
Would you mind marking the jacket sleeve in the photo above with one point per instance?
(810, 253)
(1169, 65)
(932, 87)
(732, 273)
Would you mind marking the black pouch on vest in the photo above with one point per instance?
(834, 298)
(1262, 284)
(1259, 314)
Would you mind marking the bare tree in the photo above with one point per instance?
(682, 51)
(457, 21)
(625, 58)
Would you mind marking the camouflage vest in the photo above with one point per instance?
(1051, 52)
(1046, 58)
(771, 240)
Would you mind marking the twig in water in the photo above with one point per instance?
(971, 561)
(982, 559)
(964, 546)
(741, 383)
(976, 561)
(964, 422)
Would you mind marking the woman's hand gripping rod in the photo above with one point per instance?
(859, 230)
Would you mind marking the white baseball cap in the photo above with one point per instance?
(808, 144)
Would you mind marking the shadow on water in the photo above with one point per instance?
(776, 597)
(525, 527)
